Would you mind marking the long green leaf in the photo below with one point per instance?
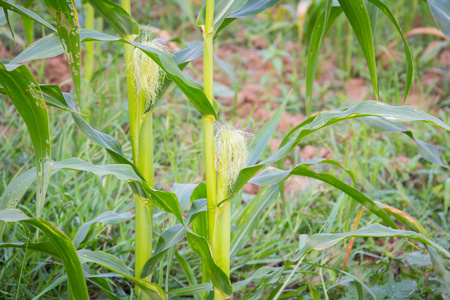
(195, 289)
(163, 200)
(64, 246)
(250, 217)
(273, 176)
(250, 9)
(117, 17)
(51, 286)
(368, 108)
(324, 119)
(115, 265)
(20, 86)
(107, 217)
(48, 46)
(166, 240)
(409, 60)
(200, 246)
(315, 45)
(428, 151)
(441, 13)
(222, 8)
(412, 224)
(64, 13)
(357, 15)
(323, 241)
(192, 89)
(26, 13)
(43, 247)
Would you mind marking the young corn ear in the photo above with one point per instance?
(148, 75)
(232, 156)
(232, 153)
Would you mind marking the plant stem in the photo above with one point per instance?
(89, 58)
(221, 239)
(144, 213)
(208, 121)
(208, 126)
(131, 85)
(141, 132)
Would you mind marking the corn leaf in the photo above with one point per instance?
(222, 8)
(63, 244)
(427, 150)
(171, 237)
(163, 200)
(250, 9)
(324, 241)
(184, 193)
(20, 86)
(409, 60)
(226, 11)
(315, 45)
(194, 289)
(43, 247)
(324, 119)
(48, 46)
(166, 240)
(357, 15)
(107, 217)
(117, 17)
(65, 15)
(25, 13)
(200, 246)
(115, 265)
(192, 89)
(441, 13)
(250, 217)
(412, 224)
(166, 201)
(273, 176)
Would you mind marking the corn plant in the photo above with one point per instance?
(207, 223)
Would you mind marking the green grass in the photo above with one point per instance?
(75, 197)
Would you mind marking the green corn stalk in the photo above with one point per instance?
(141, 133)
(232, 157)
(208, 121)
(208, 127)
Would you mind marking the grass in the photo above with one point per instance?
(417, 187)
